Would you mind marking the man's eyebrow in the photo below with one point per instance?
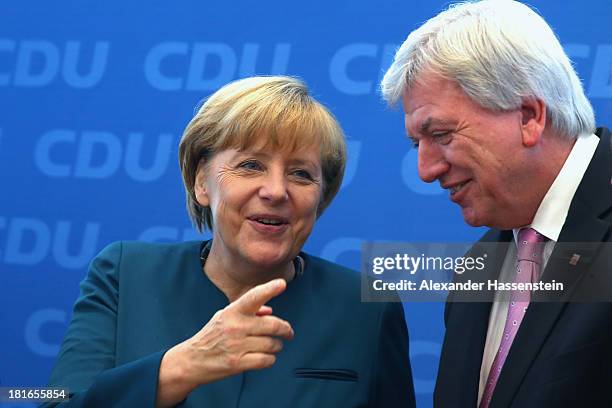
(424, 128)
(427, 123)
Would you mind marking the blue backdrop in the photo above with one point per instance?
(94, 97)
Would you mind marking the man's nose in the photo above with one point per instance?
(431, 162)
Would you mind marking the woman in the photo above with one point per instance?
(245, 319)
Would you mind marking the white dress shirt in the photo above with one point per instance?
(548, 221)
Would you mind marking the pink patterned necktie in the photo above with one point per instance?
(530, 248)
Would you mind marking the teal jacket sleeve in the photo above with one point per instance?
(392, 381)
(86, 361)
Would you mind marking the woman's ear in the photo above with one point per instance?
(200, 187)
(533, 121)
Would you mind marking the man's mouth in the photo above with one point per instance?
(455, 189)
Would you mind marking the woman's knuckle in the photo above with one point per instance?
(229, 344)
(231, 329)
(232, 360)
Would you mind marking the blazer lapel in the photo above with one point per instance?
(582, 234)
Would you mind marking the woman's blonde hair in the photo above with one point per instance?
(273, 111)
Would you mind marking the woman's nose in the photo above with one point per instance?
(274, 187)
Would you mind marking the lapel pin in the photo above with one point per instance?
(574, 259)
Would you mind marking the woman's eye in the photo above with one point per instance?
(250, 165)
(302, 174)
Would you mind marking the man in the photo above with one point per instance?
(501, 121)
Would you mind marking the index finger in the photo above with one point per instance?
(255, 298)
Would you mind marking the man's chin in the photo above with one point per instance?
(471, 218)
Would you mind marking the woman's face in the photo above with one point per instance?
(263, 202)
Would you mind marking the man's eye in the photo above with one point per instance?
(250, 165)
(441, 136)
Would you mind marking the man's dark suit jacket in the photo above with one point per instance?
(562, 353)
(140, 299)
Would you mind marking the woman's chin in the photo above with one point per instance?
(271, 259)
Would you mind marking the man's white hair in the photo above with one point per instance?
(499, 52)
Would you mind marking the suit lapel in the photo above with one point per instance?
(492, 247)
(582, 234)
(467, 323)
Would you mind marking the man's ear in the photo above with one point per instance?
(200, 187)
(533, 121)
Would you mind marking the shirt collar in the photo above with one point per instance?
(553, 209)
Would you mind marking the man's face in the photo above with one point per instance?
(476, 154)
